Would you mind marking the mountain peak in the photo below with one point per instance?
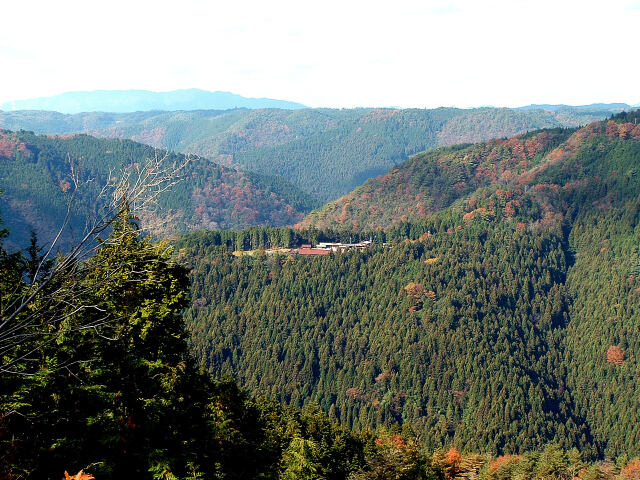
(121, 101)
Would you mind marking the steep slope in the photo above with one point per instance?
(36, 183)
(324, 152)
(143, 100)
(435, 179)
(508, 319)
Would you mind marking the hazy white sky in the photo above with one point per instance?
(342, 53)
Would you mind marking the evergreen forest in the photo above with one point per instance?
(490, 331)
(504, 320)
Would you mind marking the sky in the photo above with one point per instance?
(327, 53)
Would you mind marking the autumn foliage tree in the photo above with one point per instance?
(631, 471)
(452, 460)
(615, 355)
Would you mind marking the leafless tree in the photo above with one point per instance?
(38, 304)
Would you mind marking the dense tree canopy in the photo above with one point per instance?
(502, 322)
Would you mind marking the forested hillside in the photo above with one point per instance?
(435, 179)
(507, 319)
(37, 182)
(324, 152)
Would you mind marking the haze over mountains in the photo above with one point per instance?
(592, 107)
(269, 168)
(144, 100)
(324, 152)
(416, 258)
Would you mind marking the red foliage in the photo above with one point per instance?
(7, 147)
(353, 393)
(414, 289)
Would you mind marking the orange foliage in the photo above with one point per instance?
(452, 457)
(64, 185)
(615, 355)
(516, 146)
(395, 441)
(384, 376)
(345, 211)
(78, 476)
(504, 460)
(452, 461)
(632, 470)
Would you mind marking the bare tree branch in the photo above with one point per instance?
(37, 308)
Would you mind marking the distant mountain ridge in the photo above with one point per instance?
(591, 107)
(120, 101)
(324, 152)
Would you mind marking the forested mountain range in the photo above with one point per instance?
(144, 100)
(593, 107)
(505, 326)
(504, 317)
(36, 182)
(324, 152)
